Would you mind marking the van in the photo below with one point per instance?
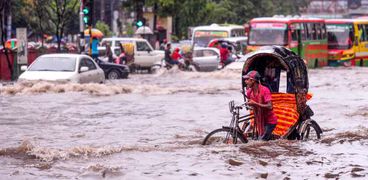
(143, 53)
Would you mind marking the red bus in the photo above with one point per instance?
(306, 37)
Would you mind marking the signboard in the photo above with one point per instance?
(269, 25)
(22, 52)
(218, 34)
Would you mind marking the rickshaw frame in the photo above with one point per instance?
(279, 58)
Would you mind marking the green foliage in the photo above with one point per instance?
(186, 13)
(129, 30)
(104, 28)
(202, 12)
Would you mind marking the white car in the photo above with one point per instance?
(144, 55)
(75, 68)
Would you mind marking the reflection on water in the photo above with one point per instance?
(152, 126)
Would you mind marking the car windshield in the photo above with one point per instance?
(339, 36)
(268, 34)
(202, 38)
(54, 64)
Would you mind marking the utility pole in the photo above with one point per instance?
(88, 19)
(90, 28)
(102, 11)
(81, 27)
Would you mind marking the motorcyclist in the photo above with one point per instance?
(168, 57)
(225, 54)
(176, 55)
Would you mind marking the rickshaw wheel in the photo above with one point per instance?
(223, 136)
(309, 131)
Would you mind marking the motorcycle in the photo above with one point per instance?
(183, 65)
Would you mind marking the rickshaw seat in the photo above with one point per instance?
(285, 109)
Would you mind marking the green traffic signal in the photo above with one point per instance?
(85, 11)
(139, 23)
(87, 15)
(85, 20)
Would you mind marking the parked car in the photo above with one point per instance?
(204, 59)
(64, 67)
(144, 55)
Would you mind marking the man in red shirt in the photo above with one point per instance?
(224, 54)
(260, 99)
(176, 55)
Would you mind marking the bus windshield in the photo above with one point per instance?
(268, 34)
(203, 37)
(339, 36)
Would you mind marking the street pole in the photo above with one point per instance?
(90, 29)
(81, 27)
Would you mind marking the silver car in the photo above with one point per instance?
(64, 67)
(206, 58)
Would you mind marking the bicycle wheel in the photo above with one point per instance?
(310, 131)
(223, 136)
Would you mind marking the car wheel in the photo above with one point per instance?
(193, 67)
(154, 69)
(125, 75)
(132, 68)
(113, 74)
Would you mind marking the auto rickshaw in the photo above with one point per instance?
(286, 75)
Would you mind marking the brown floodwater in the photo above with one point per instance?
(151, 127)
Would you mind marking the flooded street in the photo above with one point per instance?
(151, 127)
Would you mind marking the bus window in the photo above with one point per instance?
(324, 31)
(361, 32)
(318, 31)
(365, 32)
(268, 34)
(304, 32)
(314, 31)
(237, 32)
(339, 36)
(203, 37)
(294, 31)
(309, 31)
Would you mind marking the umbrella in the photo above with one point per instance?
(11, 43)
(95, 33)
(144, 30)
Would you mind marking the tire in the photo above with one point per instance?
(133, 68)
(218, 136)
(155, 69)
(113, 74)
(125, 76)
(194, 67)
(316, 63)
(310, 131)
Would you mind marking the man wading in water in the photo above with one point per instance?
(260, 99)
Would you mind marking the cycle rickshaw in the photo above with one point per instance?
(285, 74)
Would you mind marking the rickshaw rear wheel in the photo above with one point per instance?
(223, 136)
(310, 131)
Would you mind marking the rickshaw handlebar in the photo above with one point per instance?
(245, 105)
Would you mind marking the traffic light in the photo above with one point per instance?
(140, 22)
(87, 12)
